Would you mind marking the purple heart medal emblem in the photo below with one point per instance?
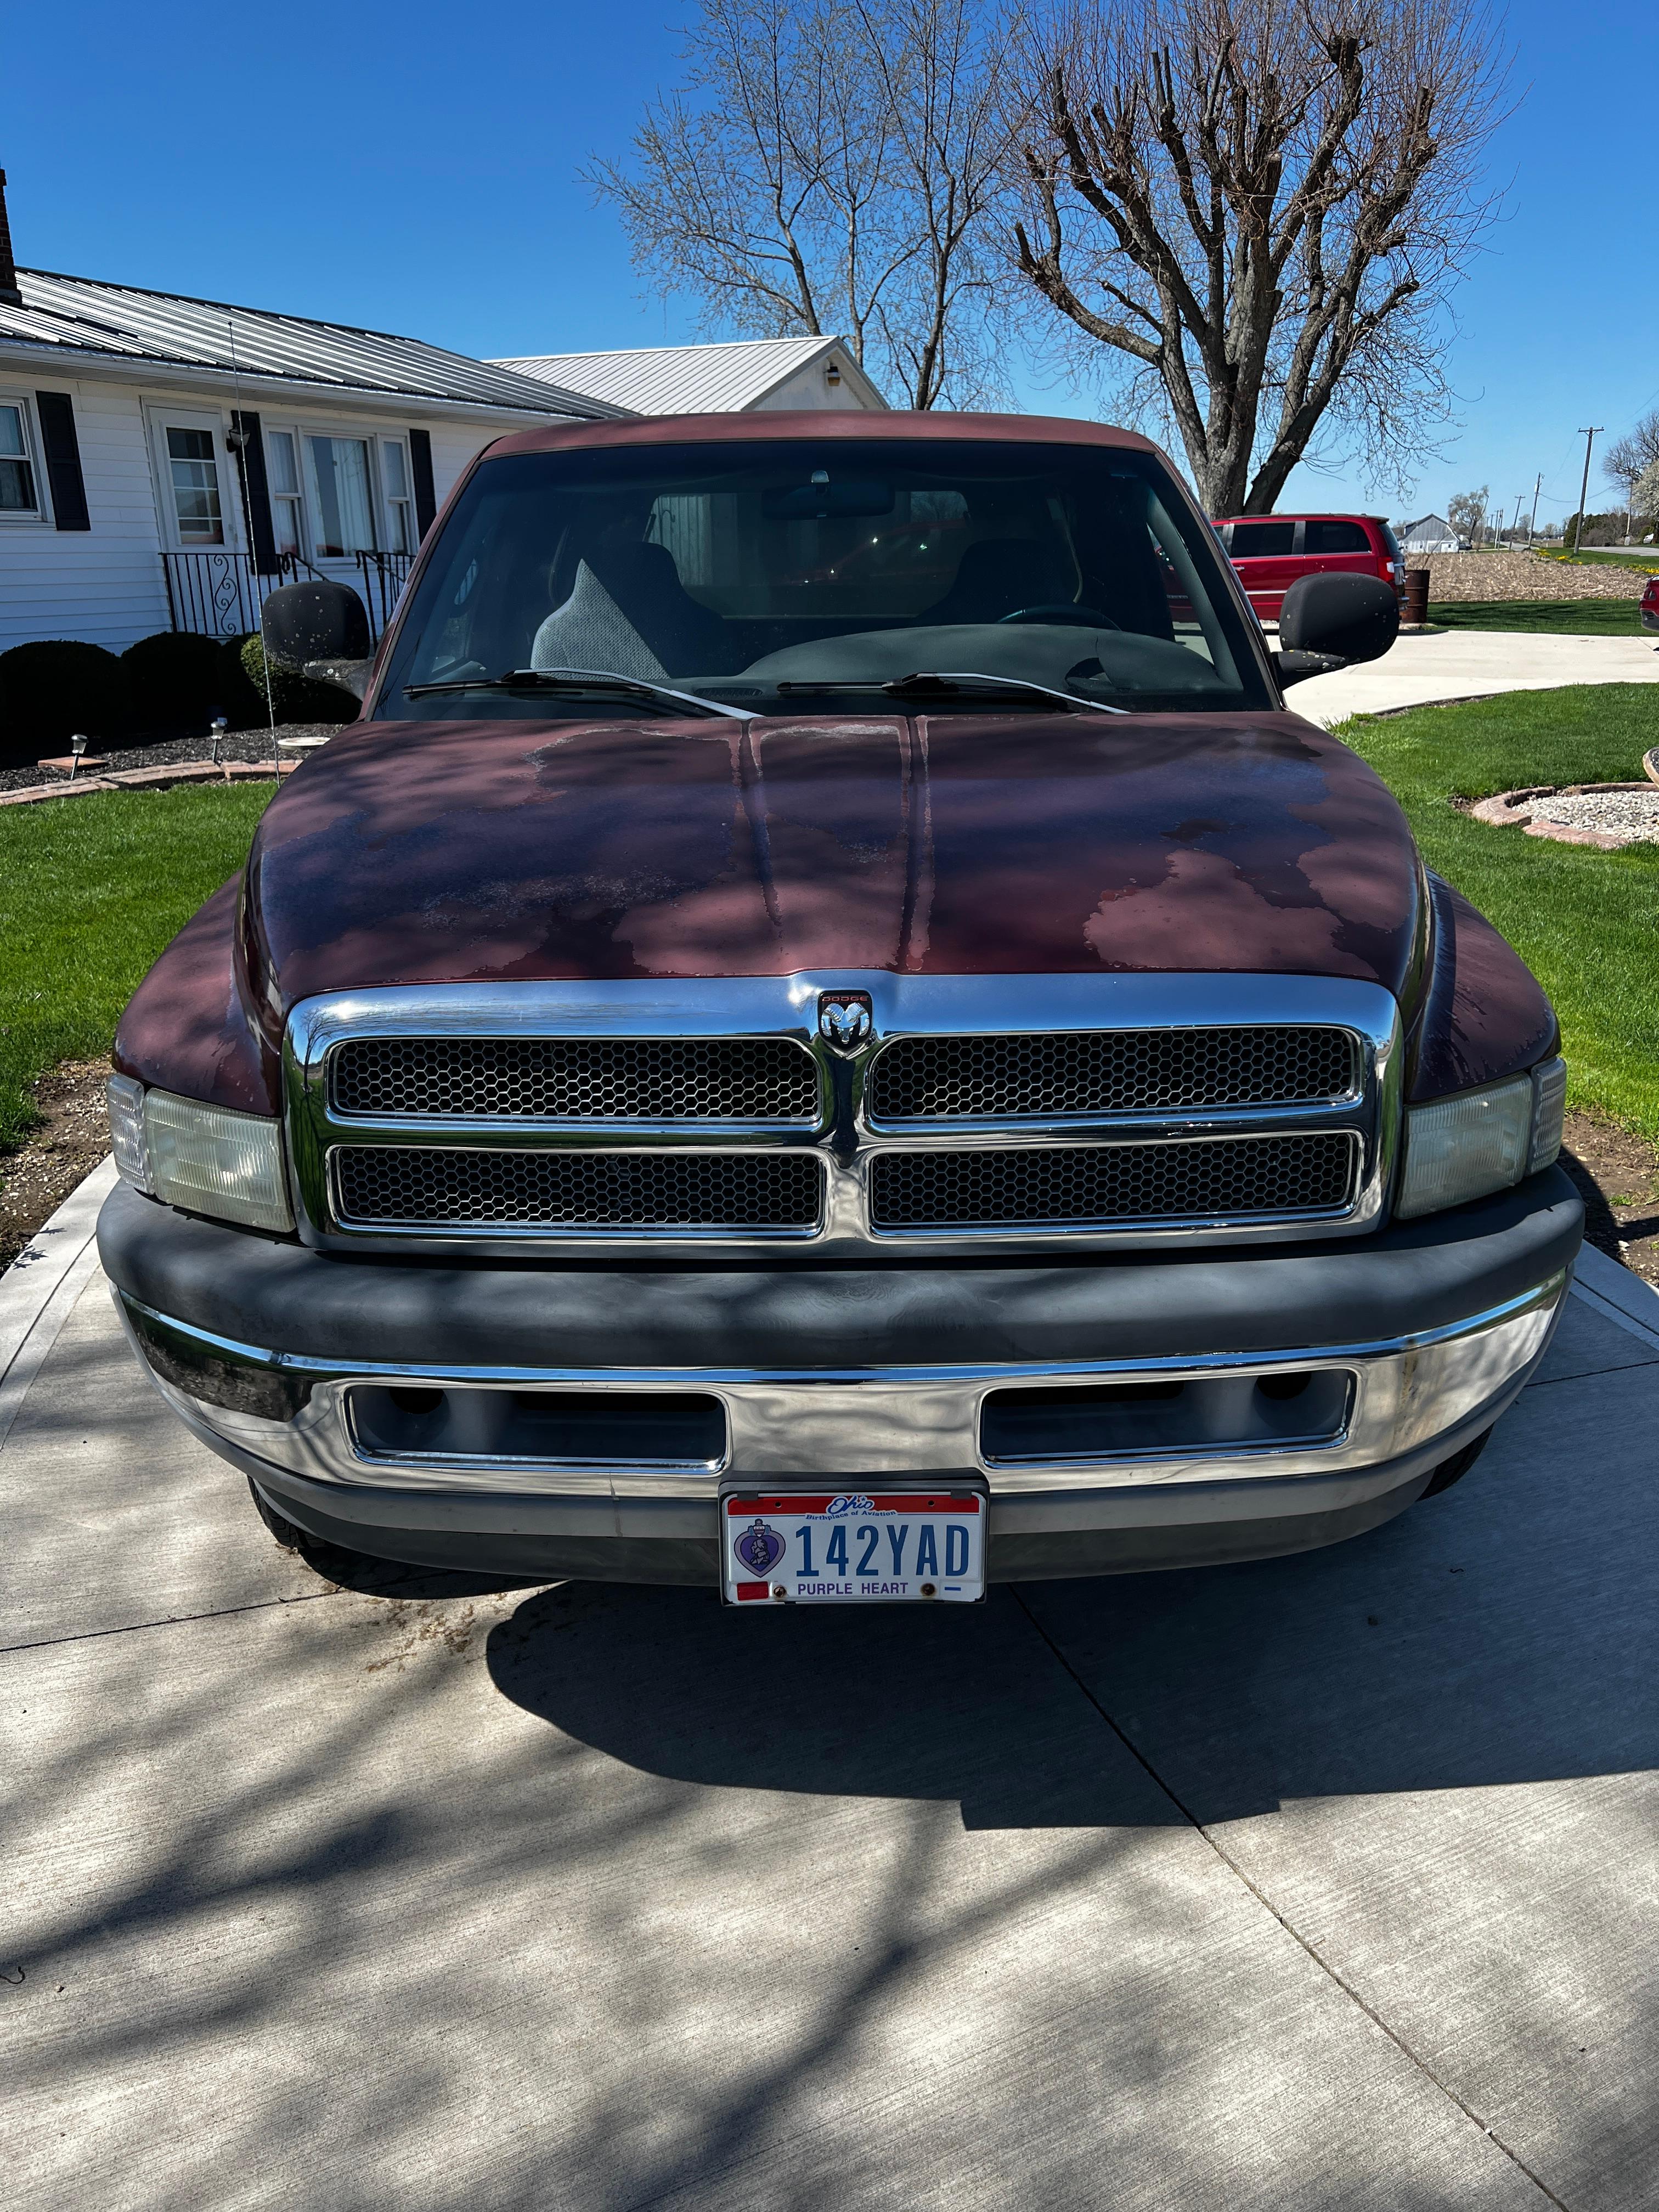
(759, 1548)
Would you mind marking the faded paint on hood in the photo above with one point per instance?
(457, 852)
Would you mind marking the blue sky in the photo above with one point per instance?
(414, 168)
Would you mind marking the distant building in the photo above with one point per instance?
(733, 378)
(1431, 534)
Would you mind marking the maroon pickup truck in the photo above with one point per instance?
(826, 1034)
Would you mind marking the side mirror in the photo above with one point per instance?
(320, 630)
(1328, 621)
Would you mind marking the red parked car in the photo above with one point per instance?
(1650, 605)
(1270, 551)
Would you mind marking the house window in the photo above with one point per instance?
(194, 470)
(282, 476)
(399, 495)
(18, 494)
(343, 508)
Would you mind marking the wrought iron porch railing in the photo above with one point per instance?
(219, 594)
(384, 575)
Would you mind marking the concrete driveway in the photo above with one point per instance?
(1329, 1882)
(1469, 663)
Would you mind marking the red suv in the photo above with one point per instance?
(1270, 551)
(1650, 605)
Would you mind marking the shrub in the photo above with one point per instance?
(179, 682)
(294, 698)
(53, 688)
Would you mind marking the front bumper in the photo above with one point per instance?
(1423, 1334)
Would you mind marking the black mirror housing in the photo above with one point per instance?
(1336, 619)
(304, 623)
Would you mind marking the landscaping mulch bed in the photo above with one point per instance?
(256, 745)
(1617, 1179)
(36, 1178)
(1617, 1174)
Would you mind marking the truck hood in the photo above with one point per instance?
(455, 852)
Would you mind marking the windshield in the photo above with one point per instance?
(795, 575)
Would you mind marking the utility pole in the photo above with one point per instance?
(1520, 502)
(1532, 527)
(1590, 437)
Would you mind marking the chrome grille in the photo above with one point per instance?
(576, 1078)
(1009, 1187)
(1123, 1072)
(408, 1186)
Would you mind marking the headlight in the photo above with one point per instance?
(1480, 1141)
(202, 1157)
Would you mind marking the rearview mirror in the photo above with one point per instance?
(1329, 621)
(820, 502)
(320, 631)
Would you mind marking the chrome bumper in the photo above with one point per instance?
(1410, 1401)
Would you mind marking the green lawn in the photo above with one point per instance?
(90, 890)
(1586, 921)
(1564, 618)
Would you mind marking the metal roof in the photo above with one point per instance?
(65, 313)
(692, 379)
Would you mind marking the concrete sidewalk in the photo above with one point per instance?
(1467, 664)
(1324, 1883)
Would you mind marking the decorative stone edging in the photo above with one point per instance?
(150, 778)
(1512, 809)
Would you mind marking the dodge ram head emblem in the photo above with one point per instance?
(845, 1019)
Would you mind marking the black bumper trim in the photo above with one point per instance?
(1408, 1278)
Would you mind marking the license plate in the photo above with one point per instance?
(852, 1547)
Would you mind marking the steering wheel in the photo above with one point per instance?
(1063, 611)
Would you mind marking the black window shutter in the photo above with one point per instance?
(63, 451)
(419, 460)
(256, 491)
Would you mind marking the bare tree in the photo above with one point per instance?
(1260, 207)
(1465, 511)
(828, 168)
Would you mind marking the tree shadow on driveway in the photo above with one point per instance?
(1505, 1632)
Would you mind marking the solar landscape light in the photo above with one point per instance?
(218, 725)
(77, 746)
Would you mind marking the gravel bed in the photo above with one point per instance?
(236, 744)
(1632, 816)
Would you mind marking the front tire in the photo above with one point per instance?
(291, 1538)
(331, 1561)
(1455, 1469)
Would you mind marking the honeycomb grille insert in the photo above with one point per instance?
(1088, 1185)
(412, 1187)
(1112, 1071)
(576, 1078)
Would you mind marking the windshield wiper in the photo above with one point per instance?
(953, 684)
(597, 681)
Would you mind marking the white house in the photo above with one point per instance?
(1431, 533)
(164, 460)
(735, 378)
